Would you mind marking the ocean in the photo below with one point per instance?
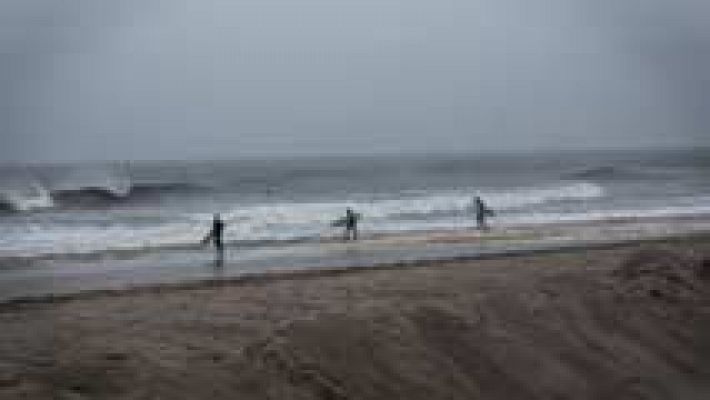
(89, 208)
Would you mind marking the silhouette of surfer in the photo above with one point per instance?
(215, 234)
(482, 211)
(350, 224)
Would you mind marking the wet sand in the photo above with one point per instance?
(622, 323)
(66, 274)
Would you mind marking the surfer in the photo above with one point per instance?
(350, 224)
(215, 234)
(482, 211)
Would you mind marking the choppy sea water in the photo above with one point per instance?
(89, 208)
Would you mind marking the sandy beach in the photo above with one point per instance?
(621, 323)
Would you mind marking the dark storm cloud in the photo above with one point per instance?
(172, 79)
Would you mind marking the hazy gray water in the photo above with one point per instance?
(89, 208)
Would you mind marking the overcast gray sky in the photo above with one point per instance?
(144, 79)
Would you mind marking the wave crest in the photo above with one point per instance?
(23, 189)
(33, 197)
(611, 172)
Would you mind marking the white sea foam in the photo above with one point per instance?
(535, 218)
(451, 202)
(280, 221)
(30, 197)
(109, 178)
(291, 220)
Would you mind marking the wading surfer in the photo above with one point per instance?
(482, 211)
(215, 234)
(350, 224)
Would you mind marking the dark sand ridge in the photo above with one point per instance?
(628, 322)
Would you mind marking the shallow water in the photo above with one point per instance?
(64, 274)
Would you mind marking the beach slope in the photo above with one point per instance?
(623, 323)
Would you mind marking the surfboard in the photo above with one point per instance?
(339, 222)
(343, 220)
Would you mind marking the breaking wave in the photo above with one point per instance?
(105, 196)
(460, 203)
(604, 172)
(285, 220)
(23, 192)
(612, 172)
(30, 198)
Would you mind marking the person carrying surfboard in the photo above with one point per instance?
(482, 211)
(350, 224)
(215, 234)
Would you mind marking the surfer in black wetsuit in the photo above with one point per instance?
(482, 211)
(215, 235)
(350, 224)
